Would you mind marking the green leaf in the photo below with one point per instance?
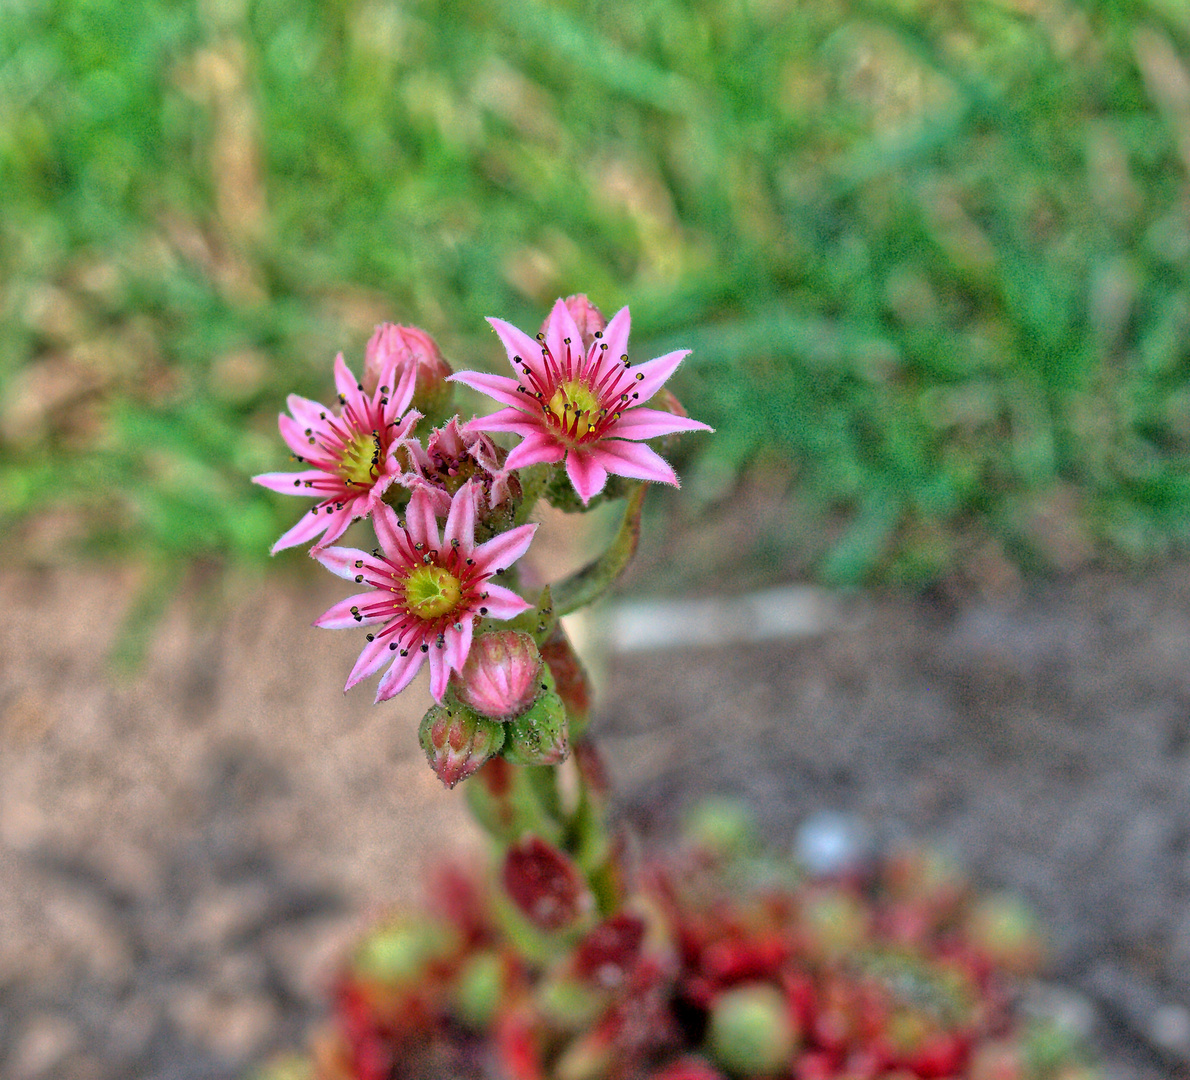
(592, 581)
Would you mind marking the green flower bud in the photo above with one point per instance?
(458, 741)
(539, 735)
(752, 1031)
(479, 989)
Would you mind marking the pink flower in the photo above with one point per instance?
(407, 346)
(584, 405)
(352, 454)
(425, 592)
(453, 456)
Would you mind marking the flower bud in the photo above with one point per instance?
(545, 884)
(457, 741)
(479, 989)
(502, 675)
(408, 345)
(587, 317)
(751, 1031)
(539, 735)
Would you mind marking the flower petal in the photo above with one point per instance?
(337, 522)
(502, 603)
(299, 443)
(373, 657)
(505, 420)
(615, 335)
(306, 412)
(559, 327)
(460, 522)
(635, 460)
(642, 423)
(341, 617)
(502, 551)
(504, 390)
(400, 675)
(534, 448)
(290, 483)
(587, 476)
(341, 561)
(401, 395)
(421, 522)
(439, 672)
(519, 345)
(393, 541)
(309, 526)
(349, 389)
(655, 372)
(458, 643)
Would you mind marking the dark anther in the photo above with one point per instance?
(392, 646)
(359, 563)
(371, 637)
(483, 610)
(425, 647)
(359, 579)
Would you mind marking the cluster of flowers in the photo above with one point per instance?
(450, 515)
(720, 963)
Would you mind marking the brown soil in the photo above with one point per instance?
(185, 852)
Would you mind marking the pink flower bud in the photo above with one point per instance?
(545, 884)
(407, 345)
(502, 675)
(457, 741)
(587, 317)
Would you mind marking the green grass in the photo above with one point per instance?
(932, 257)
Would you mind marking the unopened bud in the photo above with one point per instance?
(751, 1031)
(479, 988)
(407, 345)
(545, 884)
(502, 675)
(539, 735)
(457, 741)
(400, 954)
(587, 317)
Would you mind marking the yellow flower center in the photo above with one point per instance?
(431, 592)
(360, 461)
(575, 408)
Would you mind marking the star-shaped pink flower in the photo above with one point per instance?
(425, 590)
(584, 405)
(352, 452)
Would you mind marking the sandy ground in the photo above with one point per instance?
(184, 853)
